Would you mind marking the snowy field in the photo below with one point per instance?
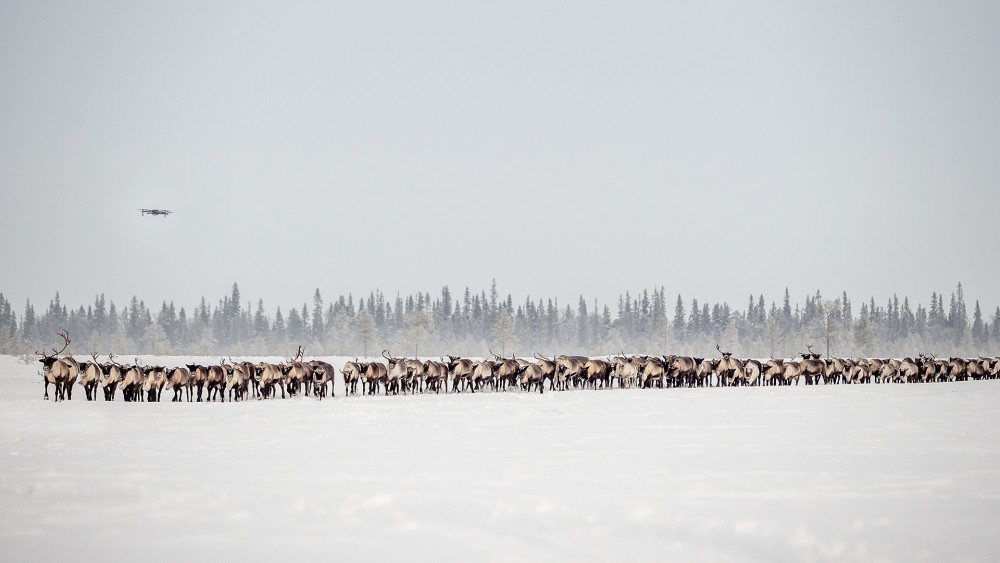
(838, 473)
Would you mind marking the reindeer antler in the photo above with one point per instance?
(65, 336)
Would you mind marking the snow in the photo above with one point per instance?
(826, 473)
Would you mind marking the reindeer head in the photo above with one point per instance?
(48, 359)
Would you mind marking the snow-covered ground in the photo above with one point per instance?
(838, 473)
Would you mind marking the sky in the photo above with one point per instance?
(716, 149)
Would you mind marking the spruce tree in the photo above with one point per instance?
(317, 317)
(977, 327)
(679, 318)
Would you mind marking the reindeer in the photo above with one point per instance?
(90, 377)
(373, 373)
(726, 368)
(548, 368)
(297, 373)
(752, 370)
(597, 372)
(131, 382)
(792, 371)
(625, 370)
(215, 380)
(883, 371)
(328, 372)
(682, 369)
(506, 371)
(179, 380)
(975, 370)
(836, 368)
(812, 368)
(782, 372)
(909, 371)
(396, 371)
(483, 374)
(460, 370)
(435, 375)
(992, 367)
(568, 370)
(199, 377)
(703, 372)
(237, 381)
(111, 375)
(249, 371)
(352, 374)
(414, 376)
(60, 372)
(154, 378)
(268, 377)
(321, 375)
(533, 375)
(772, 371)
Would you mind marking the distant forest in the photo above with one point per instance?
(474, 323)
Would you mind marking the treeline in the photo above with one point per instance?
(473, 323)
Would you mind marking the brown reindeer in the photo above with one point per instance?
(548, 368)
(435, 375)
(328, 371)
(974, 369)
(568, 370)
(179, 379)
(726, 369)
(352, 374)
(215, 380)
(483, 374)
(909, 371)
(111, 376)
(268, 377)
(237, 381)
(812, 368)
(506, 371)
(460, 370)
(413, 378)
(61, 372)
(752, 370)
(396, 372)
(131, 382)
(372, 374)
(597, 372)
(533, 375)
(154, 379)
(90, 377)
(836, 368)
(199, 377)
(322, 375)
(681, 370)
(773, 371)
(625, 370)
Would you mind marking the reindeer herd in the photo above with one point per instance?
(234, 381)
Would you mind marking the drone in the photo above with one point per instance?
(163, 212)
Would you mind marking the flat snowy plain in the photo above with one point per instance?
(838, 473)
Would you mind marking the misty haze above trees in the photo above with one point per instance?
(422, 324)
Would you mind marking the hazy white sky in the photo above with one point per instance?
(718, 149)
